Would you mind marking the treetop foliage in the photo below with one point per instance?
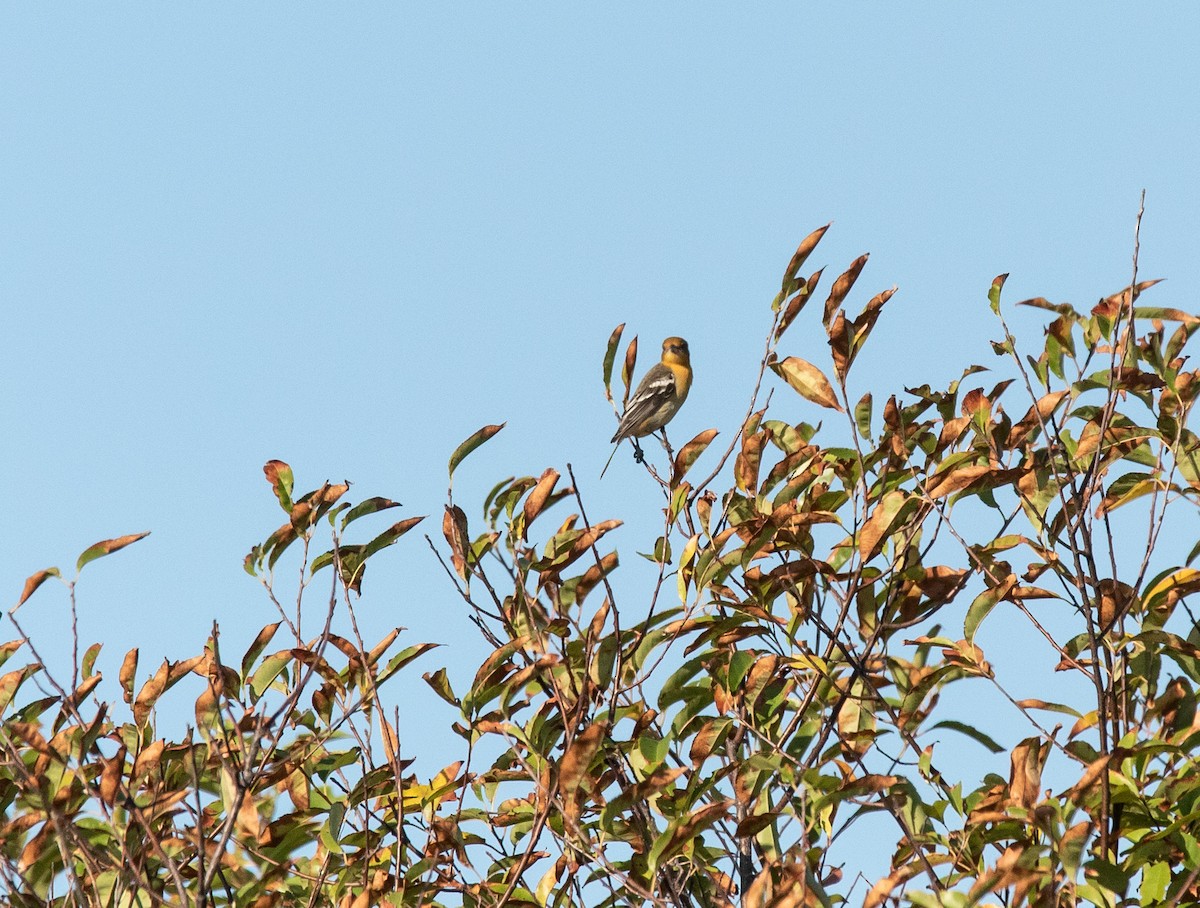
(711, 738)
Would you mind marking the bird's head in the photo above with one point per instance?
(675, 349)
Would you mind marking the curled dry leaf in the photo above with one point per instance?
(627, 369)
(537, 498)
(1025, 777)
(841, 287)
(808, 380)
(803, 251)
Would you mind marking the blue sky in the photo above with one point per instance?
(348, 236)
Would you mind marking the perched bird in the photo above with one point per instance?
(658, 397)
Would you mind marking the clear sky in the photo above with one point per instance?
(347, 236)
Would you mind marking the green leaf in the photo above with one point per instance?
(462, 451)
(268, 671)
(256, 648)
(862, 416)
(279, 475)
(107, 547)
(971, 732)
(981, 608)
(332, 827)
(994, 292)
(1109, 876)
(441, 686)
(89, 660)
(610, 357)
(403, 658)
(1154, 882)
(390, 535)
(739, 664)
(370, 506)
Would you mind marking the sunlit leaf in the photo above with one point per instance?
(690, 453)
(33, 582)
(841, 287)
(370, 506)
(994, 292)
(463, 450)
(803, 251)
(107, 547)
(279, 475)
(808, 380)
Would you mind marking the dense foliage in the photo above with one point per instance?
(706, 738)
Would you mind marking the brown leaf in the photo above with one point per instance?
(955, 479)
(873, 533)
(279, 475)
(705, 740)
(881, 890)
(798, 302)
(1121, 299)
(841, 287)
(803, 251)
(454, 528)
(297, 788)
(1035, 418)
(148, 760)
(391, 741)
(574, 767)
(630, 365)
(974, 401)
(808, 380)
(976, 477)
(746, 464)
(537, 499)
(248, 821)
(594, 575)
(126, 675)
(110, 776)
(657, 781)
(150, 693)
(33, 582)
(1114, 600)
(1025, 778)
(107, 547)
(586, 540)
(870, 314)
(753, 825)
(1090, 778)
(839, 344)
(697, 822)
(689, 453)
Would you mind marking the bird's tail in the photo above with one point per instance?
(610, 458)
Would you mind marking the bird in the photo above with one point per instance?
(658, 397)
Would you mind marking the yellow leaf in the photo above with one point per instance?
(808, 380)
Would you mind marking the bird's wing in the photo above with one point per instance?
(656, 389)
